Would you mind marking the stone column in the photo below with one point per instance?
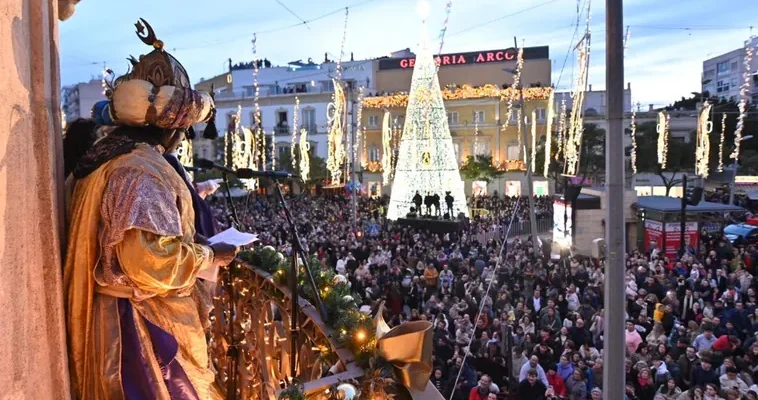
(33, 361)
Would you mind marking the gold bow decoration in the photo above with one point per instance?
(408, 347)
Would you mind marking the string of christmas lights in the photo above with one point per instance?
(305, 155)
(744, 98)
(561, 128)
(335, 112)
(386, 147)
(548, 134)
(572, 147)
(703, 143)
(721, 142)
(342, 47)
(534, 141)
(516, 87)
(242, 142)
(521, 145)
(476, 133)
(358, 127)
(633, 133)
(464, 92)
(295, 122)
(663, 138)
(259, 153)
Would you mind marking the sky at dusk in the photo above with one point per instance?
(668, 41)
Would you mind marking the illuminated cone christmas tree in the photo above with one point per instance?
(426, 160)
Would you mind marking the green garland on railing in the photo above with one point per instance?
(354, 329)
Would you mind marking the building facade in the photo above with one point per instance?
(477, 107)
(78, 100)
(723, 75)
(279, 89)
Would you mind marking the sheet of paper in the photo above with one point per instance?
(235, 237)
(230, 236)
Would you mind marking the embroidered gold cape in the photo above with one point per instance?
(131, 236)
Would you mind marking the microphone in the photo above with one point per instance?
(243, 173)
(208, 164)
(192, 169)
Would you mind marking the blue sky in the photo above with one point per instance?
(669, 39)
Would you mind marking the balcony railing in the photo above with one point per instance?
(261, 313)
(248, 93)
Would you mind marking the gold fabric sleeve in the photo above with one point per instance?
(160, 264)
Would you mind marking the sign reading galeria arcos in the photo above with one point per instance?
(475, 57)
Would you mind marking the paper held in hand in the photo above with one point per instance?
(230, 236)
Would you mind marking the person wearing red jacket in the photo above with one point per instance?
(482, 391)
(555, 380)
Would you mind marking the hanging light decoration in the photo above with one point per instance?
(386, 147)
(663, 138)
(260, 135)
(476, 133)
(242, 142)
(561, 128)
(548, 134)
(633, 133)
(358, 128)
(334, 115)
(744, 98)
(521, 145)
(721, 142)
(573, 144)
(534, 141)
(516, 86)
(703, 144)
(295, 122)
(305, 155)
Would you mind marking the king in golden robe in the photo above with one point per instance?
(134, 314)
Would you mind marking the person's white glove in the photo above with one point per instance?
(207, 188)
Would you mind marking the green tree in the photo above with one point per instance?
(480, 168)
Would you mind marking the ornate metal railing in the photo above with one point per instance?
(263, 310)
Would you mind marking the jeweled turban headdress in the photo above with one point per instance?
(157, 91)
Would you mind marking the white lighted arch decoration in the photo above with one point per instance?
(305, 155)
(334, 115)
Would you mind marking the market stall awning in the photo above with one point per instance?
(672, 204)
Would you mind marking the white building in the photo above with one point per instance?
(595, 101)
(77, 100)
(724, 74)
(278, 87)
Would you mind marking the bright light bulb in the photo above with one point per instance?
(423, 9)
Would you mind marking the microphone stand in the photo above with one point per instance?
(232, 352)
(298, 251)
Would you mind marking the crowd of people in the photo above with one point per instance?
(512, 324)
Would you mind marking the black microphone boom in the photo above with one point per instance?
(193, 169)
(243, 173)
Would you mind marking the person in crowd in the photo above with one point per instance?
(529, 388)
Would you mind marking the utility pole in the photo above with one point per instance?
(613, 332)
(529, 182)
(351, 149)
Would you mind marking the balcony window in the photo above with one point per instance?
(373, 153)
(373, 121)
(479, 117)
(540, 113)
(452, 118)
(722, 68)
(309, 120)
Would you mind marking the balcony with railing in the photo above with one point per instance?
(248, 92)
